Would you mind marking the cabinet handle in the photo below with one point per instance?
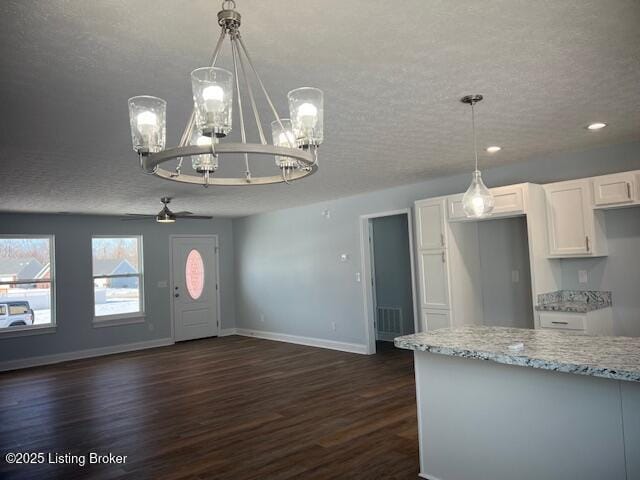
(629, 190)
(560, 323)
(442, 239)
(443, 258)
(587, 241)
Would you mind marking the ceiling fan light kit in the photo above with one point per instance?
(295, 139)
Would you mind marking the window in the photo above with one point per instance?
(117, 277)
(26, 282)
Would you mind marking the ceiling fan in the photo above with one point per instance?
(167, 216)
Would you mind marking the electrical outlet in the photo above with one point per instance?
(515, 276)
(163, 284)
(150, 327)
(583, 276)
(262, 317)
(358, 277)
(333, 326)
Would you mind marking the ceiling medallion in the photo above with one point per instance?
(295, 140)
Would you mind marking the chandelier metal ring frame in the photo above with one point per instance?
(302, 155)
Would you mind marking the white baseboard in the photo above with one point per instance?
(427, 477)
(79, 354)
(309, 341)
(225, 332)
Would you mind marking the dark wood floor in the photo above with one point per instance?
(231, 408)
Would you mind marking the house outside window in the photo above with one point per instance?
(27, 299)
(117, 277)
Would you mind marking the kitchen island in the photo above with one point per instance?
(503, 403)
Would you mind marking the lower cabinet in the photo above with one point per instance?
(434, 319)
(595, 322)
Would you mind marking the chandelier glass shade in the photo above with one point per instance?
(216, 97)
(477, 201)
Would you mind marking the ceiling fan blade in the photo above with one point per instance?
(139, 215)
(193, 217)
(183, 213)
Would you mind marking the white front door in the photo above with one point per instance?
(194, 287)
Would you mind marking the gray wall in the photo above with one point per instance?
(393, 266)
(504, 247)
(287, 265)
(74, 288)
(619, 272)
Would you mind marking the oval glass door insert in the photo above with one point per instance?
(194, 274)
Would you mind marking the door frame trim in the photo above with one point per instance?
(365, 254)
(217, 256)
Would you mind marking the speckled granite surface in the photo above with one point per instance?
(577, 301)
(607, 357)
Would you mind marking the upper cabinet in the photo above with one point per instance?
(430, 222)
(575, 230)
(508, 201)
(620, 189)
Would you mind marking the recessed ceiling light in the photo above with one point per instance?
(494, 149)
(597, 126)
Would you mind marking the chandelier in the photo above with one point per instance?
(294, 140)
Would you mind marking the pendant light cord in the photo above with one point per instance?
(473, 126)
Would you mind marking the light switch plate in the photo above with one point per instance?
(358, 277)
(163, 284)
(515, 276)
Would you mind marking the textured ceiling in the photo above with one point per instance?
(392, 73)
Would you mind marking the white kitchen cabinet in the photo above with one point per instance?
(434, 319)
(574, 229)
(595, 322)
(430, 223)
(619, 189)
(434, 279)
(508, 202)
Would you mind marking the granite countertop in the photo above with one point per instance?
(575, 301)
(607, 357)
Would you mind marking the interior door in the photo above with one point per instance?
(194, 287)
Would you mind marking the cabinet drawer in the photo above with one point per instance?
(562, 320)
(614, 189)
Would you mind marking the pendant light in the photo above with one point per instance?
(477, 201)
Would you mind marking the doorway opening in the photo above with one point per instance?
(389, 281)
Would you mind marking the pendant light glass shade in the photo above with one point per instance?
(204, 163)
(147, 118)
(477, 201)
(284, 138)
(306, 108)
(213, 98)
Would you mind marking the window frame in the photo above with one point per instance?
(46, 327)
(121, 318)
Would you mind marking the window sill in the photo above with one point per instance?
(116, 320)
(11, 332)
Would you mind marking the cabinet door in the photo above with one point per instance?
(509, 202)
(434, 319)
(614, 189)
(434, 283)
(570, 218)
(430, 220)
